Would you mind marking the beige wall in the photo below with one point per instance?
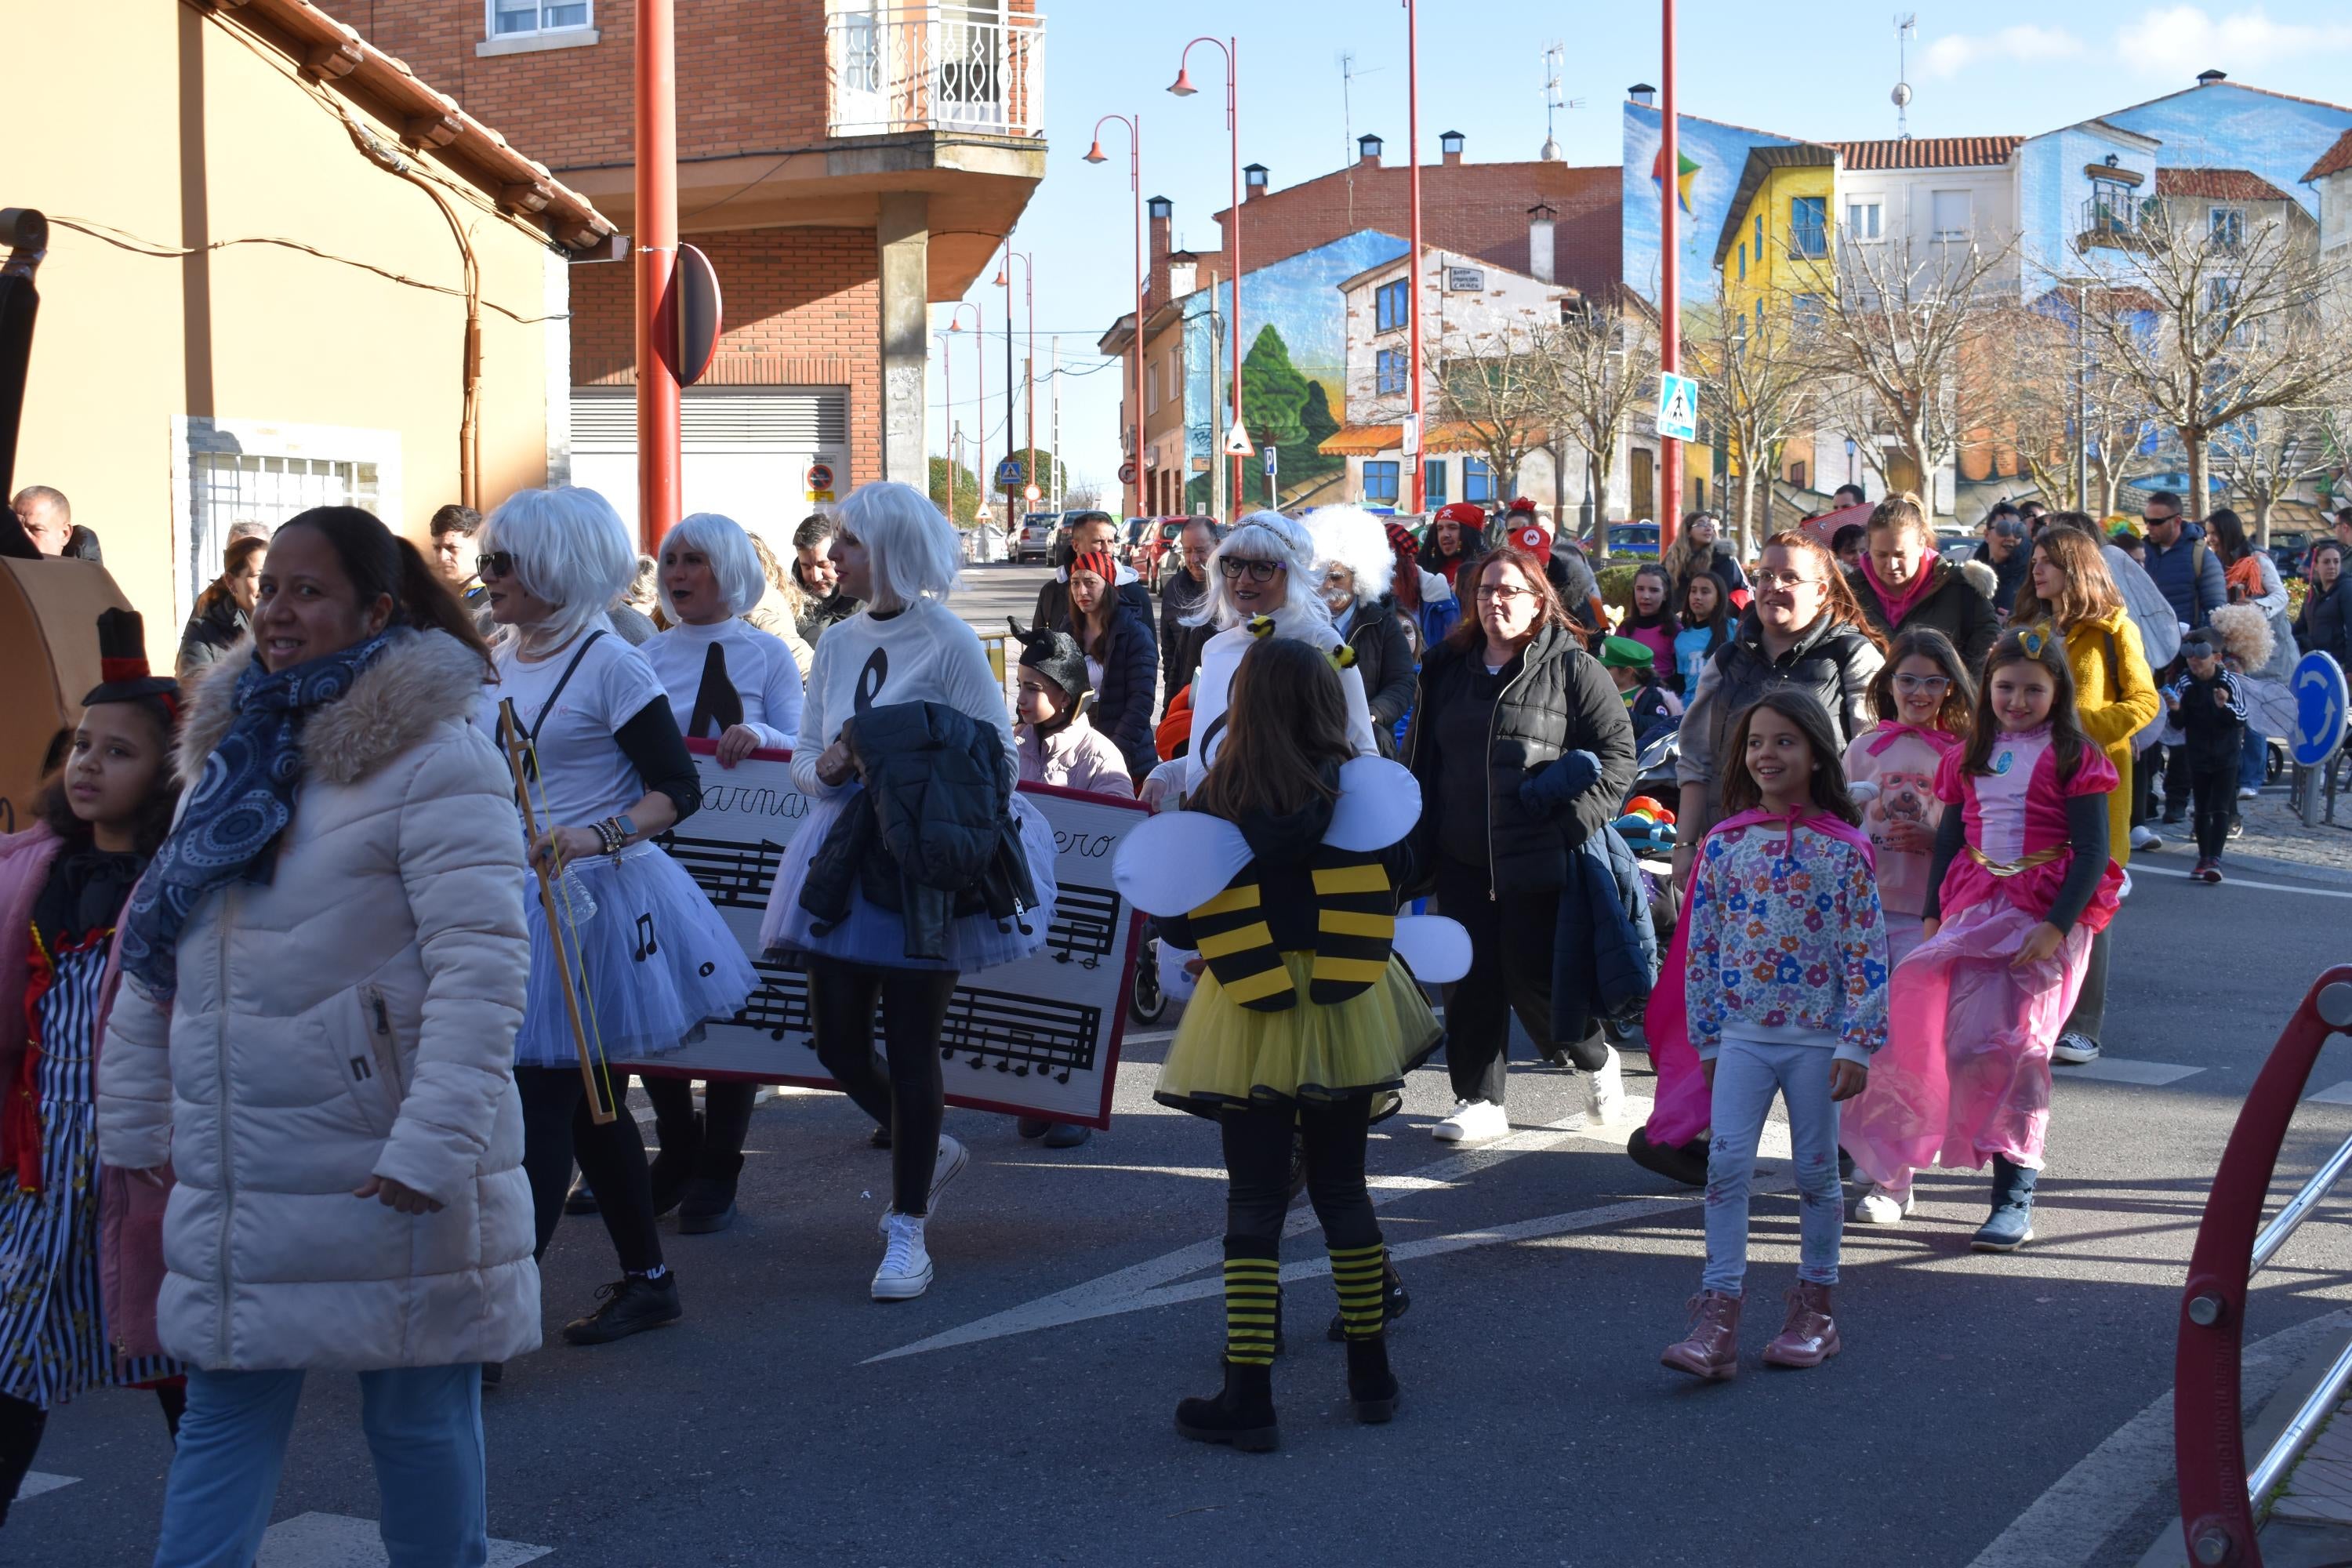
(175, 130)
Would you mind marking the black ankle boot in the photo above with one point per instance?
(1370, 1386)
(1395, 1303)
(1241, 1416)
(672, 1165)
(708, 1204)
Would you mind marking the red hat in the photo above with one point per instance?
(1401, 540)
(1097, 561)
(1535, 539)
(1520, 504)
(1466, 513)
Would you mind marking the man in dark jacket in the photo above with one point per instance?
(2180, 563)
(2009, 555)
(1093, 531)
(814, 570)
(1182, 594)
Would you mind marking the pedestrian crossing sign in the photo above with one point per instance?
(1677, 406)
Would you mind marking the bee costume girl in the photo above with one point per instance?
(1279, 870)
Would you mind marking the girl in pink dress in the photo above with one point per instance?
(2019, 880)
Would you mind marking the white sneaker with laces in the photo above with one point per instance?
(2147, 837)
(1472, 1121)
(1604, 1089)
(906, 1272)
(953, 1158)
(2245, 794)
(1881, 1206)
(2074, 1049)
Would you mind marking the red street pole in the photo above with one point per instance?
(658, 496)
(979, 393)
(1412, 159)
(1182, 88)
(1670, 301)
(1134, 124)
(947, 412)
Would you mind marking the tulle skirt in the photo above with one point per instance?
(1225, 1054)
(874, 935)
(1965, 1074)
(654, 961)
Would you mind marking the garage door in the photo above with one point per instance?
(747, 450)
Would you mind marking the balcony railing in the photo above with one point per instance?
(894, 70)
(1807, 241)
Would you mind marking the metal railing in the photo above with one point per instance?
(1807, 241)
(893, 70)
(2111, 215)
(2219, 1496)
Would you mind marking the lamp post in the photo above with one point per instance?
(1028, 363)
(947, 411)
(1134, 124)
(1182, 88)
(979, 398)
(658, 462)
(1412, 182)
(1670, 299)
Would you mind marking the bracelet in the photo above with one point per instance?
(609, 836)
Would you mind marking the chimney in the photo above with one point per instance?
(1368, 150)
(1184, 273)
(1643, 93)
(1540, 243)
(1252, 181)
(1449, 145)
(1161, 213)
(2208, 78)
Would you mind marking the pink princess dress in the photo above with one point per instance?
(1892, 768)
(1965, 1071)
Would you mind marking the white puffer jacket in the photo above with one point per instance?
(354, 1016)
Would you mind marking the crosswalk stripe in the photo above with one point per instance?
(339, 1541)
(36, 1483)
(2111, 1069)
(2341, 1094)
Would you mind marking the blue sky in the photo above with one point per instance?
(1993, 68)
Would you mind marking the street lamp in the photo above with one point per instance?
(1029, 295)
(1182, 88)
(1413, 181)
(979, 399)
(1134, 124)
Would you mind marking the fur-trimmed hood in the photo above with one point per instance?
(423, 678)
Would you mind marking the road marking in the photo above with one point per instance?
(2113, 1070)
(2066, 1525)
(2341, 1094)
(36, 1483)
(338, 1541)
(2262, 887)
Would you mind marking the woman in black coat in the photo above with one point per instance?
(1902, 583)
(223, 612)
(2324, 626)
(1122, 658)
(1508, 695)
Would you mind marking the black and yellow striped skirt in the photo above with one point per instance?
(1225, 1054)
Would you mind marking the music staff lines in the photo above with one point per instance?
(1086, 924)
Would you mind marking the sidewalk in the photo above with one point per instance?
(2310, 1524)
(2274, 832)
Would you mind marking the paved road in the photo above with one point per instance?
(1021, 1412)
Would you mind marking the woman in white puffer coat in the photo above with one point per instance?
(324, 969)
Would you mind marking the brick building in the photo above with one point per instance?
(843, 162)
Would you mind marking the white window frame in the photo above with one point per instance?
(1967, 199)
(266, 440)
(539, 8)
(1857, 228)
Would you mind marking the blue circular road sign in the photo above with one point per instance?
(2320, 703)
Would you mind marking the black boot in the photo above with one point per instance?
(1394, 1304)
(630, 1305)
(1371, 1387)
(1684, 1162)
(21, 1424)
(708, 1204)
(1241, 1416)
(581, 1199)
(673, 1164)
(2011, 1225)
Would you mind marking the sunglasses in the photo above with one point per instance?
(1934, 683)
(1234, 567)
(496, 564)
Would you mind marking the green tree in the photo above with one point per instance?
(1274, 395)
(967, 492)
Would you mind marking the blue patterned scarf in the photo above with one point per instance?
(234, 813)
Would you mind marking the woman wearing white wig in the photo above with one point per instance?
(732, 683)
(608, 770)
(902, 673)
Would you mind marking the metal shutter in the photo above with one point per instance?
(717, 419)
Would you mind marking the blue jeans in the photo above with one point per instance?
(424, 1425)
(1747, 1073)
(2253, 761)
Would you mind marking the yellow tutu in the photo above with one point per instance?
(1225, 1054)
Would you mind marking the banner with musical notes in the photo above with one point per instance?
(1037, 1038)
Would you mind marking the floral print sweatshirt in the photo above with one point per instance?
(1786, 941)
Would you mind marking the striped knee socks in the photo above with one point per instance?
(1253, 1309)
(1360, 1273)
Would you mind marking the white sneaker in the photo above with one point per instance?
(906, 1272)
(1881, 1207)
(2074, 1050)
(2244, 793)
(1604, 1089)
(2147, 837)
(1472, 1121)
(953, 1158)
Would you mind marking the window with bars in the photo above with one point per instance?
(519, 18)
(230, 491)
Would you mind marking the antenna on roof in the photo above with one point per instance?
(1906, 26)
(1347, 75)
(1555, 98)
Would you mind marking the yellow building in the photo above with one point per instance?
(1776, 253)
(282, 272)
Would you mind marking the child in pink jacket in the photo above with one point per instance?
(1057, 745)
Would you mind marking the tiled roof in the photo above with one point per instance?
(1929, 153)
(2335, 161)
(2218, 185)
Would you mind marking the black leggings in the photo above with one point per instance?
(909, 1099)
(557, 1129)
(22, 1422)
(726, 1120)
(1257, 1172)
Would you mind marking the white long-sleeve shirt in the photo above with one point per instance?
(921, 654)
(759, 667)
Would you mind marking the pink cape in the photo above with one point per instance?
(1684, 1107)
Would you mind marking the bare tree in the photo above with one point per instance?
(1896, 344)
(1757, 388)
(1602, 358)
(2263, 457)
(2232, 325)
(1497, 387)
(1083, 495)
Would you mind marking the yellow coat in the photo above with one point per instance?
(2116, 695)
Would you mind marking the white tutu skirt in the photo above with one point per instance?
(656, 960)
(874, 935)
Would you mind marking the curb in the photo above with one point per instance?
(2270, 865)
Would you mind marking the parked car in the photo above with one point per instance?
(2290, 555)
(1957, 547)
(1035, 539)
(1628, 539)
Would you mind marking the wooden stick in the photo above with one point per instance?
(510, 736)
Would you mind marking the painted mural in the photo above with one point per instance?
(1712, 154)
(1294, 365)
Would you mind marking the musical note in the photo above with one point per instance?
(1086, 924)
(779, 1007)
(870, 679)
(644, 940)
(1019, 1034)
(730, 875)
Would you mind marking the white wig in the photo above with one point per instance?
(911, 547)
(1352, 538)
(734, 565)
(570, 549)
(1268, 536)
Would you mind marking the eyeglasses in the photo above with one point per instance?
(1502, 594)
(496, 564)
(1234, 567)
(1766, 577)
(1933, 684)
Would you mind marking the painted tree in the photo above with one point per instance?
(1757, 389)
(1274, 395)
(1498, 388)
(2241, 323)
(1602, 358)
(2269, 455)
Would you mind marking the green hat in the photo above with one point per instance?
(1624, 653)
